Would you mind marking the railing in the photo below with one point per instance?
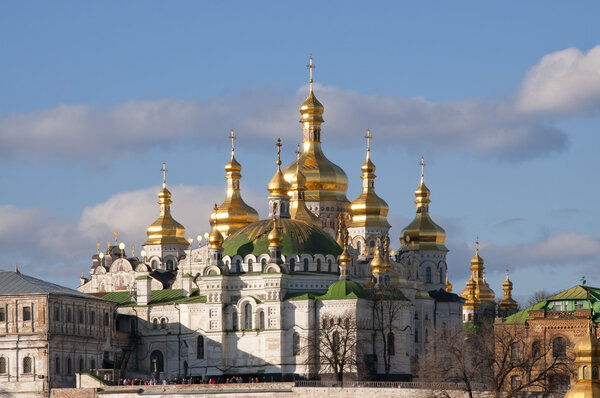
(385, 384)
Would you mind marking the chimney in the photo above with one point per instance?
(188, 283)
(143, 286)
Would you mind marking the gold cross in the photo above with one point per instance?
(310, 67)
(368, 137)
(278, 151)
(477, 245)
(422, 163)
(164, 173)
(116, 234)
(233, 137)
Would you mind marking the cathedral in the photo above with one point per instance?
(248, 300)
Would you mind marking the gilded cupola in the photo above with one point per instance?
(298, 209)
(278, 186)
(422, 233)
(507, 305)
(587, 362)
(215, 239)
(482, 290)
(233, 213)
(165, 230)
(377, 264)
(369, 210)
(325, 181)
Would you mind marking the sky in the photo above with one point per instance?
(502, 99)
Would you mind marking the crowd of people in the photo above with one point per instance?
(192, 380)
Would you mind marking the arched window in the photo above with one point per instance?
(57, 365)
(296, 344)
(69, 367)
(559, 348)
(250, 265)
(169, 265)
(428, 275)
(27, 365)
(247, 316)
(2, 365)
(391, 343)
(200, 347)
(515, 351)
(318, 265)
(163, 323)
(156, 362)
(536, 350)
(81, 366)
(292, 264)
(261, 319)
(586, 372)
(263, 262)
(238, 266)
(155, 323)
(358, 247)
(595, 373)
(305, 265)
(234, 321)
(154, 264)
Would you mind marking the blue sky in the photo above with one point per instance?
(502, 99)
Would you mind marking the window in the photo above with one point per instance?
(156, 362)
(247, 316)
(559, 348)
(428, 275)
(329, 265)
(2, 315)
(292, 264)
(169, 265)
(69, 367)
(318, 265)
(358, 247)
(263, 262)
(81, 365)
(586, 373)
(93, 364)
(234, 321)
(200, 347)
(305, 265)
(57, 313)
(81, 317)
(416, 315)
(93, 318)
(106, 319)
(238, 266)
(261, 319)
(416, 335)
(69, 317)
(515, 382)
(250, 265)
(296, 344)
(515, 351)
(26, 313)
(595, 373)
(27, 365)
(57, 365)
(578, 304)
(2, 365)
(163, 323)
(391, 344)
(155, 323)
(536, 350)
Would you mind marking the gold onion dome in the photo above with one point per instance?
(298, 209)
(377, 263)
(448, 284)
(422, 233)
(507, 303)
(165, 230)
(325, 181)
(482, 290)
(215, 238)
(369, 209)
(278, 186)
(275, 237)
(233, 213)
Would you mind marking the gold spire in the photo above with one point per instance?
(507, 305)
(448, 284)
(422, 233)
(165, 230)
(278, 186)
(325, 181)
(344, 259)
(587, 360)
(275, 237)
(369, 210)
(298, 209)
(215, 238)
(377, 263)
(386, 264)
(233, 213)
(482, 291)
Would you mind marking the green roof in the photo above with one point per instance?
(165, 296)
(142, 277)
(343, 290)
(300, 296)
(299, 238)
(576, 293)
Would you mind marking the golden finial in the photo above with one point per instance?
(164, 173)
(368, 137)
(98, 247)
(16, 269)
(278, 152)
(232, 137)
(477, 245)
(310, 67)
(107, 247)
(132, 250)
(116, 234)
(507, 272)
(422, 163)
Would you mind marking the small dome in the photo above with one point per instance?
(311, 109)
(233, 165)
(343, 290)
(275, 237)
(215, 239)
(165, 230)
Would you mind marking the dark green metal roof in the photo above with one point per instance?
(343, 290)
(299, 238)
(165, 296)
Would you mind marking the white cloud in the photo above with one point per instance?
(566, 82)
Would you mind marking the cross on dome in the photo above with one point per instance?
(278, 144)
(164, 173)
(422, 163)
(368, 137)
(310, 67)
(232, 137)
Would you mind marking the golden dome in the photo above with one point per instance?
(298, 209)
(215, 238)
(369, 210)
(448, 284)
(422, 233)
(165, 230)
(278, 186)
(325, 181)
(587, 361)
(507, 303)
(275, 237)
(377, 263)
(233, 213)
(482, 289)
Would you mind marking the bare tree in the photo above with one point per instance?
(388, 307)
(504, 361)
(537, 297)
(333, 346)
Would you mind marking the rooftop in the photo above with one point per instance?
(15, 283)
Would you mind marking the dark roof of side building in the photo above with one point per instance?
(442, 296)
(15, 283)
